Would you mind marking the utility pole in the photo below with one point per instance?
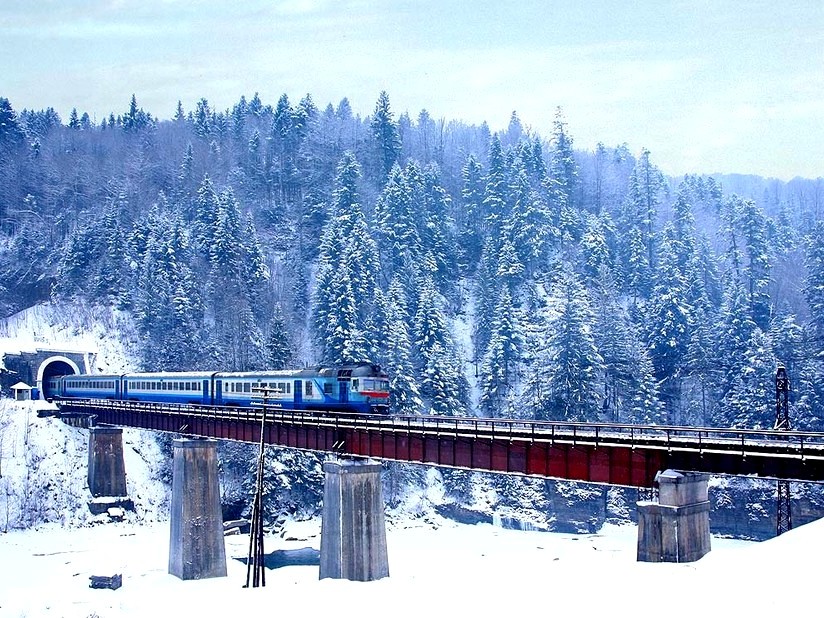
(255, 567)
(784, 516)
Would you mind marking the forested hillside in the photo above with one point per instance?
(503, 274)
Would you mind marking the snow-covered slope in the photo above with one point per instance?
(44, 466)
(105, 332)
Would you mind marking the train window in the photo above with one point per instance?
(288, 388)
(355, 386)
(247, 387)
(327, 388)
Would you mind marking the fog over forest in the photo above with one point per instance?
(499, 274)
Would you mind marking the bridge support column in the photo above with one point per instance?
(677, 527)
(353, 530)
(107, 470)
(196, 547)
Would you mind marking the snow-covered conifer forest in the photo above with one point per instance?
(500, 274)
(504, 274)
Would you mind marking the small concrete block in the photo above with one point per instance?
(103, 581)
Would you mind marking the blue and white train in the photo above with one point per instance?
(360, 388)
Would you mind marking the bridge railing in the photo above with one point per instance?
(700, 439)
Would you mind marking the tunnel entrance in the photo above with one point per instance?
(55, 366)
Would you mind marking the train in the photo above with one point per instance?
(362, 388)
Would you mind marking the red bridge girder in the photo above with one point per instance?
(597, 453)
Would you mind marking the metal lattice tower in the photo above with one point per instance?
(784, 517)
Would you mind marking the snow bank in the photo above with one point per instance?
(446, 570)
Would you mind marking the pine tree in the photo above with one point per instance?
(640, 209)
(528, 223)
(385, 133)
(468, 215)
(572, 363)
(501, 359)
(562, 180)
(814, 281)
(397, 233)
(495, 198)
(347, 274)
(595, 250)
(443, 386)
(405, 394)
(749, 399)
(613, 340)
(732, 337)
(279, 350)
(756, 271)
(668, 326)
(11, 133)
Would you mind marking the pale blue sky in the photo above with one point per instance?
(707, 86)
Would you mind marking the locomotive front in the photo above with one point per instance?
(369, 387)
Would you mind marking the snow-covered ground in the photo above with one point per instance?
(436, 569)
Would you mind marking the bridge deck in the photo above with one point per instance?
(603, 453)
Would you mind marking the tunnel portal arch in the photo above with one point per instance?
(54, 366)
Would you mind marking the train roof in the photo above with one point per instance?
(277, 373)
(170, 375)
(86, 376)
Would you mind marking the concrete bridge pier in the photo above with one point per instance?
(196, 547)
(107, 470)
(353, 530)
(677, 527)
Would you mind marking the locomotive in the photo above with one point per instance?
(362, 388)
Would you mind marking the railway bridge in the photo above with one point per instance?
(678, 459)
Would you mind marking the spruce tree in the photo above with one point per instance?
(279, 350)
(385, 134)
